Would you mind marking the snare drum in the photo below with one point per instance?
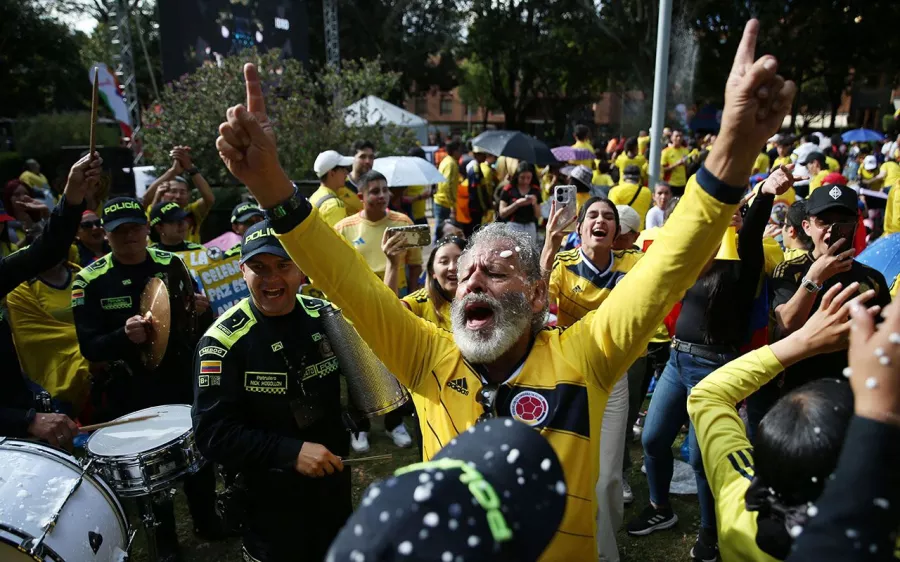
(144, 457)
(52, 510)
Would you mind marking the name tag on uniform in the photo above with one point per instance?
(266, 383)
(116, 303)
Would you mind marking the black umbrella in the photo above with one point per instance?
(515, 144)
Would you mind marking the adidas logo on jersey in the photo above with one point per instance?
(359, 241)
(576, 289)
(459, 385)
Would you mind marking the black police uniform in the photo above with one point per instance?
(263, 386)
(17, 402)
(183, 247)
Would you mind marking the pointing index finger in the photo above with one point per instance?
(255, 101)
(746, 51)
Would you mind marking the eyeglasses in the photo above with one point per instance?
(487, 397)
(91, 224)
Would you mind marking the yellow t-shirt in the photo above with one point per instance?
(832, 164)
(446, 192)
(623, 193)
(623, 161)
(726, 451)
(586, 145)
(601, 179)
(418, 207)
(643, 145)
(816, 182)
(198, 210)
(421, 305)
(761, 165)
(34, 180)
(332, 210)
(43, 329)
(781, 161)
(869, 174)
(892, 174)
(365, 236)
(892, 211)
(569, 373)
(671, 155)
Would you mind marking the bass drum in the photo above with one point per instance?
(51, 509)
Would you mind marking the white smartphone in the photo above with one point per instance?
(564, 196)
(416, 235)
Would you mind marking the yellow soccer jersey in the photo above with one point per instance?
(816, 182)
(603, 180)
(421, 305)
(670, 155)
(892, 211)
(365, 236)
(891, 172)
(563, 384)
(643, 145)
(332, 210)
(869, 174)
(623, 193)
(586, 145)
(446, 191)
(781, 161)
(352, 203)
(832, 164)
(577, 287)
(727, 453)
(761, 166)
(623, 161)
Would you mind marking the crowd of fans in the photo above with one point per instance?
(731, 282)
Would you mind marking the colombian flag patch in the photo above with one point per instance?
(211, 367)
(77, 293)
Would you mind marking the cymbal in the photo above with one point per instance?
(155, 307)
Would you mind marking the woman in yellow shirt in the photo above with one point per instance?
(432, 302)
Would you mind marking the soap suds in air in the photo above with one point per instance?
(506, 254)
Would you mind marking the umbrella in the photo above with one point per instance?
(402, 171)
(861, 135)
(568, 153)
(514, 144)
(883, 255)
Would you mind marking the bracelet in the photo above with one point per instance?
(285, 207)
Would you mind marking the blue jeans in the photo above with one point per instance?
(666, 415)
(440, 215)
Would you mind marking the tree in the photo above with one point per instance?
(300, 103)
(40, 69)
(475, 87)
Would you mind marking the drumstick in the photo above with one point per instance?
(97, 426)
(94, 116)
(372, 458)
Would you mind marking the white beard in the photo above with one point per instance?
(512, 319)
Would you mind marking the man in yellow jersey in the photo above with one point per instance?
(445, 198)
(363, 158)
(556, 381)
(629, 157)
(643, 142)
(630, 192)
(414, 196)
(332, 169)
(762, 164)
(673, 161)
(173, 186)
(783, 146)
(817, 168)
(583, 141)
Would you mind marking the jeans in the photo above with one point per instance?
(639, 375)
(440, 215)
(667, 413)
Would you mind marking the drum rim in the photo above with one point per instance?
(50, 452)
(47, 550)
(87, 445)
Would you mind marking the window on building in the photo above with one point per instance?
(446, 106)
(421, 106)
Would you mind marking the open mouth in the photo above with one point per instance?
(273, 293)
(478, 315)
(599, 232)
(452, 277)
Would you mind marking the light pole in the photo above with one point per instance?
(660, 83)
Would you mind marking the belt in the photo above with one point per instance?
(709, 352)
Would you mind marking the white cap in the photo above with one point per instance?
(775, 138)
(629, 219)
(870, 162)
(329, 160)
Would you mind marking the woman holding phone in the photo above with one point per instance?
(520, 201)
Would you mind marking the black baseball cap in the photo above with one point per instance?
(494, 493)
(167, 212)
(832, 196)
(817, 156)
(122, 210)
(245, 211)
(260, 239)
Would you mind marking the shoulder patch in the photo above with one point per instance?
(160, 256)
(212, 350)
(312, 305)
(232, 325)
(95, 269)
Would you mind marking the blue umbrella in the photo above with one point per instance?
(883, 255)
(861, 135)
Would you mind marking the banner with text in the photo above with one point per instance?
(221, 280)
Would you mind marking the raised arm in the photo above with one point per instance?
(182, 154)
(247, 146)
(756, 101)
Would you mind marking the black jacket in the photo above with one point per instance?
(50, 248)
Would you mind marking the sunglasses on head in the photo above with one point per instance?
(91, 224)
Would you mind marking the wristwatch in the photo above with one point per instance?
(287, 206)
(810, 285)
(192, 171)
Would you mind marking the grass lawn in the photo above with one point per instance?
(672, 545)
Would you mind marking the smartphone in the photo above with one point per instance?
(564, 195)
(845, 230)
(414, 236)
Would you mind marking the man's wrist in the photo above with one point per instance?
(728, 164)
(192, 171)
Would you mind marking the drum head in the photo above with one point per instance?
(129, 439)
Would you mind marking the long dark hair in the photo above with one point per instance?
(587, 205)
(436, 293)
(718, 283)
(522, 168)
(796, 448)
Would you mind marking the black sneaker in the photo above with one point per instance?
(706, 549)
(652, 519)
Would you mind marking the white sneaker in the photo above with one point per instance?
(627, 494)
(360, 441)
(400, 436)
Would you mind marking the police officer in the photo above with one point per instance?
(106, 304)
(267, 404)
(169, 228)
(243, 217)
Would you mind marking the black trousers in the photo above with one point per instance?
(200, 490)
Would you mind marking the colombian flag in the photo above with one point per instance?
(211, 367)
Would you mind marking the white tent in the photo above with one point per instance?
(372, 110)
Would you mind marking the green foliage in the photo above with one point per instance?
(42, 136)
(306, 109)
(11, 165)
